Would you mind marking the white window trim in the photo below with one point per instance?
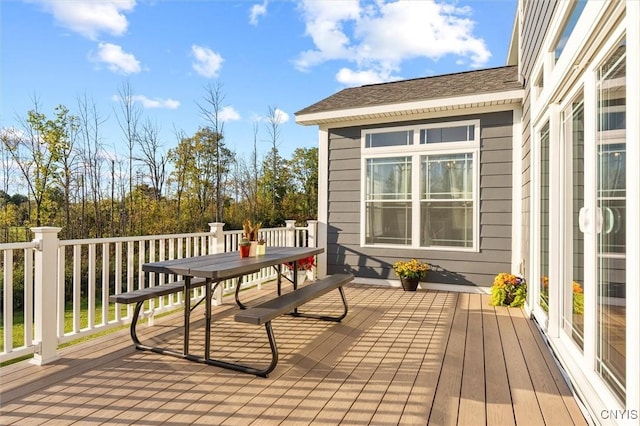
(415, 151)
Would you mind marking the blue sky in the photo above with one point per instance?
(281, 54)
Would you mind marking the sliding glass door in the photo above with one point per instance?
(611, 221)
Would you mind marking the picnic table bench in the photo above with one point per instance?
(287, 304)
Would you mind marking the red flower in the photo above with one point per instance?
(304, 264)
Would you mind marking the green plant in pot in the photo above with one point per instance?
(245, 247)
(508, 290)
(411, 272)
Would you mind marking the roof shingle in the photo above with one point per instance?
(442, 86)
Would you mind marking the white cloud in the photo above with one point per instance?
(156, 103)
(350, 77)
(150, 103)
(281, 116)
(257, 10)
(228, 113)
(207, 62)
(89, 17)
(116, 59)
(379, 36)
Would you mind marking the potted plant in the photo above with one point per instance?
(508, 290)
(303, 266)
(245, 247)
(261, 248)
(411, 272)
(250, 231)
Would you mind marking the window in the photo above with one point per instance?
(569, 25)
(446, 200)
(376, 140)
(388, 200)
(447, 134)
(424, 193)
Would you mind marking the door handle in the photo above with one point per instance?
(583, 220)
(599, 220)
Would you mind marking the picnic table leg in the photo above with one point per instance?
(238, 302)
(187, 313)
(207, 319)
(279, 270)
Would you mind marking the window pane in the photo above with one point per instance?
(388, 223)
(544, 219)
(447, 177)
(611, 239)
(578, 7)
(447, 134)
(446, 195)
(446, 223)
(388, 178)
(376, 140)
(573, 291)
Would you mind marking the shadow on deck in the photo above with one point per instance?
(398, 358)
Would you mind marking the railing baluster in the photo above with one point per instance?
(106, 268)
(118, 277)
(77, 286)
(62, 256)
(91, 291)
(8, 295)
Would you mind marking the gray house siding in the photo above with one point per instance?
(470, 268)
(537, 16)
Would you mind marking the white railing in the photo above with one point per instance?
(63, 286)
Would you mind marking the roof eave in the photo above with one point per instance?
(411, 108)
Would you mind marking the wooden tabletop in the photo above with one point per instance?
(226, 265)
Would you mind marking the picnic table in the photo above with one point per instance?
(211, 270)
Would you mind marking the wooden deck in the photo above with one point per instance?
(398, 358)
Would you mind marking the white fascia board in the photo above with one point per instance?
(410, 108)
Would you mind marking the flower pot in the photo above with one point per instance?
(302, 276)
(409, 284)
(244, 251)
(252, 248)
(261, 249)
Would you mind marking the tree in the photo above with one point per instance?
(304, 173)
(199, 160)
(38, 151)
(273, 175)
(153, 157)
(211, 110)
(90, 173)
(128, 120)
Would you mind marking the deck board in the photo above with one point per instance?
(428, 357)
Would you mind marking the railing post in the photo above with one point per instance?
(216, 241)
(45, 293)
(216, 245)
(290, 233)
(312, 231)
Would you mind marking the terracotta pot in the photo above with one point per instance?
(244, 251)
(409, 284)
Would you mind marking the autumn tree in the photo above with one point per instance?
(211, 110)
(39, 150)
